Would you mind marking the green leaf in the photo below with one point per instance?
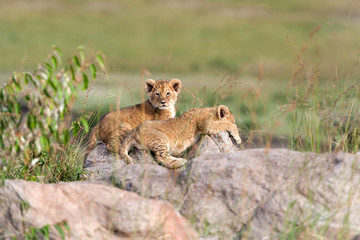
(17, 86)
(9, 89)
(53, 84)
(33, 232)
(31, 122)
(28, 78)
(45, 143)
(2, 144)
(13, 77)
(20, 120)
(61, 232)
(58, 50)
(17, 145)
(49, 68)
(67, 226)
(17, 107)
(24, 206)
(2, 94)
(45, 231)
(16, 82)
(9, 108)
(2, 127)
(54, 62)
(38, 145)
(93, 70)
(75, 128)
(33, 178)
(62, 113)
(81, 53)
(86, 81)
(41, 124)
(100, 61)
(72, 72)
(46, 92)
(65, 137)
(34, 81)
(84, 124)
(77, 62)
(2, 179)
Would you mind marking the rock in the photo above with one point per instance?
(149, 180)
(92, 211)
(100, 163)
(258, 193)
(217, 143)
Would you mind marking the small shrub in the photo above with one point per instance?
(35, 124)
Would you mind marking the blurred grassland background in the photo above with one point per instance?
(262, 58)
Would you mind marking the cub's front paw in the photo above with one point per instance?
(182, 162)
(177, 163)
(238, 141)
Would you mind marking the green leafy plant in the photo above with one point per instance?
(44, 232)
(35, 124)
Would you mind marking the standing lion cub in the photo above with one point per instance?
(164, 138)
(114, 126)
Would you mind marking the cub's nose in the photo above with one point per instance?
(163, 102)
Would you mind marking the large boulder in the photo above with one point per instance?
(258, 193)
(91, 211)
(100, 163)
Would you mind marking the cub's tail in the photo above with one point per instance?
(126, 147)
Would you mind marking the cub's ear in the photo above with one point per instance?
(176, 84)
(223, 111)
(149, 85)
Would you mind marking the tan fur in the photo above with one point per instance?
(166, 138)
(114, 126)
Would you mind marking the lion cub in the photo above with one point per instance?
(164, 138)
(114, 126)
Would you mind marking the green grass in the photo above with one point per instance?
(189, 37)
(63, 165)
(312, 114)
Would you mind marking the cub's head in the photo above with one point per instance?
(224, 121)
(224, 114)
(162, 93)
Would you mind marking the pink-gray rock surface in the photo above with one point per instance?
(92, 211)
(222, 192)
(258, 193)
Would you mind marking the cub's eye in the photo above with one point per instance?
(167, 94)
(158, 94)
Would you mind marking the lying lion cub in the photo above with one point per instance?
(164, 138)
(114, 126)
